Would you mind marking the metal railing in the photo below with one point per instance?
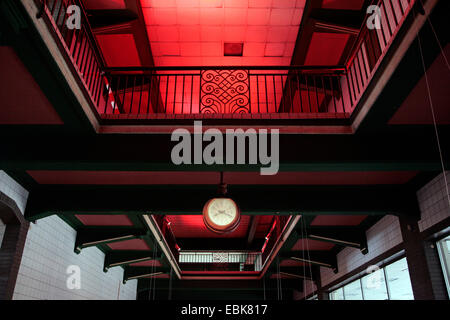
(79, 44)
(372, 45)
(226, 90)
(220, 261)
(312, 92)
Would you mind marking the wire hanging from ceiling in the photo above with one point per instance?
(430, 100)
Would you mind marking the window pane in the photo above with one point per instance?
(337, 294)
(374, 286)
(444, 254)
(398, 281)
(352, 291)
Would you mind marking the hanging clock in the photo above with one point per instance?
(221, 215)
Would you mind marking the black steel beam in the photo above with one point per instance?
(125, 257)
(90, 237)
(287, 200)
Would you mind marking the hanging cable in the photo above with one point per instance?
(264, 287)
(430, 100)
(437, 39)
(309, 258)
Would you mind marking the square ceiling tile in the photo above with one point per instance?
(234, 34)
(187, 3)
(281, 17)
(212, 16)
(211, 49)
(259, 3)
(274, 49)
(189, 33)
(235, 16)
(167, 34)
(211, 33)
(284, 3)
(190, 49)
(256, 34)
(278, 34)
(211, 3)
(188, 16)
(236, 3)
(258, 16)
(160, 16)
(254, 49)
(170, 48)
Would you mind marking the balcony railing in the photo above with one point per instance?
(226, 92)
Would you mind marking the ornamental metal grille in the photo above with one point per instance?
(224, 91)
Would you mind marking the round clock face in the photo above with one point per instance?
(221, 215)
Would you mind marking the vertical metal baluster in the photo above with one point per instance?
(257, 91)
(307, 90)
(192, 90)
(149, 98)
(299, 91)
(132, 94)
(140, 94)
(275, 105)
(267, 96)
(175, 95)
(332, 93)
(167, 93)
(317, 93)
(182, 97)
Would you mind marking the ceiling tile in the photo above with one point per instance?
(284, 3)
(160, 16)
(190, 49)
(258, 16)
(259, 3)
(235, 16)
(188, 16)
(281, 17)
(211, 49)
(274, 49)
(167, 34)
(254, 49)
(236, 3)
(211, 16)
(256, 34)
(211, 33)
(189, 33)
(278, 34)
(234, 34)
(170, 48)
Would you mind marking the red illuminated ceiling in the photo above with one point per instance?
(416, 108)
(337, 220)
(133, 244)
(22, 101)
(193, 32)
(209, 178)
(102, 220)
(312, 245)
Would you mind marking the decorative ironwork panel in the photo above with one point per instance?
(224, 91)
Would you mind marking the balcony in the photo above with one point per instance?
(306, 95)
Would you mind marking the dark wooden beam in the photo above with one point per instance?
(252, 229)
(319, 258)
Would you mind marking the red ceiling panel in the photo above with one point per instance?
(104, 220)
(292, 263)
(192, 226)
(416, 109)
(312, 245)
(338, 220)
(133, 244)
(22, 100)
(119, 50)
(326, 49)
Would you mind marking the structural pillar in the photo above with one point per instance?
(423, 262)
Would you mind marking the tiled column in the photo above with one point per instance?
(12, 245)
(422, 263)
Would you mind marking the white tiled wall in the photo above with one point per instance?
(384, 235)
(433, 202)
(13, 190)
(47, 255)
(49, 252)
